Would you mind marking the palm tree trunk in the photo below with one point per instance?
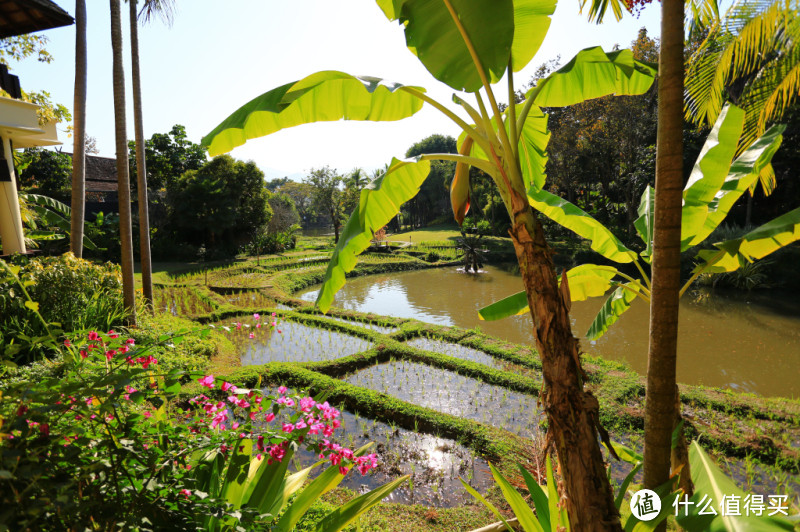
(79, 146)
(660, 412)
(123, 178)
(141, 164)
(572, 412)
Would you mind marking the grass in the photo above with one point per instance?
(434, 232)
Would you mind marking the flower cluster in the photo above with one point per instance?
(305, 417)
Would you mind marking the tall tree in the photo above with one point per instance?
(123, 179)
(79, 133)
(151, 7)
(328, 196)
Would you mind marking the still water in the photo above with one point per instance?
(746, 343)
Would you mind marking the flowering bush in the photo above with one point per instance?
(111, 440)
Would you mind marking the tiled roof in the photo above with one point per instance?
(18, 17)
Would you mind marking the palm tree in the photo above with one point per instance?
(660, 404)
(79, 149)
(123, 178)
(165, 9)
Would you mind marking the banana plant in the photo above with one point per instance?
(471, 45)
(245, 482)
(716, 182)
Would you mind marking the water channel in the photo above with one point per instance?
(743, 342)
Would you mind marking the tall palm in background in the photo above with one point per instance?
(79, 121)
(123, 176)
(151, 8)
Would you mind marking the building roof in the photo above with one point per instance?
(18, 17)
(101, 173)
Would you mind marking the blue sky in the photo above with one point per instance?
(218, 55)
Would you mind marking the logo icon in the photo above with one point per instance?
(645, 505)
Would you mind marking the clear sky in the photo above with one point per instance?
(218, 55)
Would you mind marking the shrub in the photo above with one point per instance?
(71, 294)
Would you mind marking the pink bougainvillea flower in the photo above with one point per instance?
(269, 417)
(112, 334)
(227, 386)
(343, 470)
(282, 390)
(274, 314)
(93, 336)
(186, 493)
(207, 381)
(130, 341)
(258, 325)
(67, 343)
(110, 353)
(147, 414)
(287, 427)
(279, 331)
(256, 316)
(252, 336)
(273, 324)
(83, 354)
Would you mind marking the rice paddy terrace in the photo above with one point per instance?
(440, 402)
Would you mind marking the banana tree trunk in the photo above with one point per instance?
(660, 395)
(572, 412)
(141, 164)
(79, 148)
(123, 178)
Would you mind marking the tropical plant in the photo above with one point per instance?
(470, 46)
(79, 138)
(716, 182)
(123, 177)
(47, 219)
(710, 484)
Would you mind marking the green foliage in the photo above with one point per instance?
(221, 206)
(47, 172)
(71, 294)
(168, 156)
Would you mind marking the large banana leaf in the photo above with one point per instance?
(533, 140)
(54, 213)
(380, 201)
(617, 303)
(709, 172)
(585, 281)
(645, 223)
(459, 187)
(744, 173)
(521, 510)
(593, 73)
(322, 97)
(498, 31)
(573, 218)
(710, 482)
(756, 244)
(433, 36)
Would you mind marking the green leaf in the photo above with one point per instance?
(380, 201)
(573, 218)
(531, 22)
(513, 305)
(533, 141)
(486, 503)
(646, 221)
(593, 73)
(757, 244)
(269, 487)
(585, 281)
(518, 505)
(552, 497)
(33, 305)
(709, 481)
(322, 97)
(326, 481)
(345, 514)
(617, 303)
(289, 487)
(433, 36)
(539, 498)
(744, 172)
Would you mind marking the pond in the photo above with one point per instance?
(743, 342)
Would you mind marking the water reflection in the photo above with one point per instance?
(746, 343)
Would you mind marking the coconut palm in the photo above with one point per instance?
(79, 149)
(151, 8)
(123, 177)
(660, 405)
